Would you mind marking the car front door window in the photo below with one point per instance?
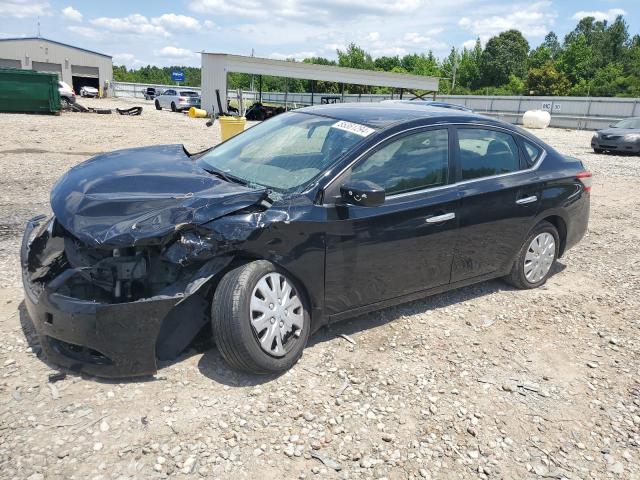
(413, 162)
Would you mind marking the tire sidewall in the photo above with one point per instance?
(544, 227)
(242, 315)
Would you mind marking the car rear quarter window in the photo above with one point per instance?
(413, 162)
(532, 153)
(484, 153)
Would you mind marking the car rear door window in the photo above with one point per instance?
(484, 153)
(413, 162)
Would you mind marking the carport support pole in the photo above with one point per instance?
(401, 92)
(313, 88)
(342, 93)
(260, 88)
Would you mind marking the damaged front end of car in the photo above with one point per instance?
(116, 280)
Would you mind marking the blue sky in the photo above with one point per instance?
(168, 33)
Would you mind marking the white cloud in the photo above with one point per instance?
(174, 22)
(208, 24)
(469, 44)
(373, 36)
(321, 12)
(296, 56)
(128, 59)
(72, 14)
(86, 32)
(135, 24)
(175, 53)
(609, 15)
(23, 9)
(533, 20)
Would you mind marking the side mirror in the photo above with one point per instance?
(363, 193)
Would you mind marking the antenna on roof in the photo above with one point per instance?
(38, 27)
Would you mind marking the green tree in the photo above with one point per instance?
(552, 44)
(504, 55)
(546, 80)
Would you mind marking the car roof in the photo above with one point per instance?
(381, 115)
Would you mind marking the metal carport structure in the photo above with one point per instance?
(216, 66)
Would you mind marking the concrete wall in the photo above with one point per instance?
(30, 50)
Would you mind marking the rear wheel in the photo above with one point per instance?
(65, 103)
(158, 107)
(260, 320)
(173, 107)
(536, 257)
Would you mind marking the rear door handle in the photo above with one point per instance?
(441, 218)
(525, 200)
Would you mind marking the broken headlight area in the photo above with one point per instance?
(58, 259)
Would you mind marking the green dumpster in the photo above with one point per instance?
(26, 91)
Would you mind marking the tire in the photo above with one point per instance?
(522, 275)
(173, 107)
(65, 103)
(158, 107)
(598, 150)
(233, 331)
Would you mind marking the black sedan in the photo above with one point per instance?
(623, 137)
(308, 218)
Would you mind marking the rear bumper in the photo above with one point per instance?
(105, 340)
(615, 145)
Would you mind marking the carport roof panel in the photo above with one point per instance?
(57, 43)
(328, 73)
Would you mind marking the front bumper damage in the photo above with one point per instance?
(81, 328)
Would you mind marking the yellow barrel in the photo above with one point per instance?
(197, 113)
(231, 126)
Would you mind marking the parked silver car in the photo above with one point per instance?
(623, 136)
(87, 91)
(177, 100)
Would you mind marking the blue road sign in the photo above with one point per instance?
(177, 76)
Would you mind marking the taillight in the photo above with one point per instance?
(586, 179)
(182, 99)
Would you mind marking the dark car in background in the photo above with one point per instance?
(623, 137)
(308, 218)
(150, 93)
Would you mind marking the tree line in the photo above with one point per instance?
(596, 58)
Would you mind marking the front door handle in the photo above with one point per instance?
(441, 218)
(525, 200)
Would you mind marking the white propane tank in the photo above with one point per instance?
(536, 119)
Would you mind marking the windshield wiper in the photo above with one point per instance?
(224, 176)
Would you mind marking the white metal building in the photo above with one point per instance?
(216, 66)
(74, 65)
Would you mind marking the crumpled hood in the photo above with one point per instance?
(142, 195)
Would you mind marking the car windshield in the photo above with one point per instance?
(188, 94)
(287, 151)
(628, 123)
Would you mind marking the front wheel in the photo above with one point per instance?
(260, 319)
(537, 255)
(598, 150)
(158, 107)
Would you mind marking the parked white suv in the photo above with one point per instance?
(67, 95)
(177, 100)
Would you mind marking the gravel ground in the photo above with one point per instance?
(481, 382)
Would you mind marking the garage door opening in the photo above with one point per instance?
(79, 82)
(84, 76)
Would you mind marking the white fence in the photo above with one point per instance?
(588, 113)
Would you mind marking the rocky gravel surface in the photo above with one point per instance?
(482, 382)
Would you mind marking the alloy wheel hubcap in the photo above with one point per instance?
(276, 314)
(539, 258)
